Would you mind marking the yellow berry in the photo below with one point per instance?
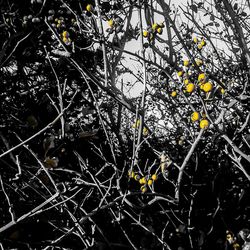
(195, 116)
(154, 26)
(89, 7)
(145, 33)
(200, 46)
(222, 91)
(145, 131)
(186, 81)
(195, 40)
(137, 177)
(65, 34)
(150, 182)
(202, 86)
(204, 124)
(186, 63)
(180, 73)
(142, 181)
(174, 94)
(154, 177)
(207, 87)
(65, 39)
(190, 88)
(159, 30)
(136, 124)
(111, 22)
(203, 42)
(198, 62)
(144, 189)
(131, 174)
(201, 77)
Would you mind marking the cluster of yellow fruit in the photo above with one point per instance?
(204, 85)
(145, 181)
(65, 37)
(204, 123)
(156, 28)
(60, 22)
(200, 42)
(137, 125)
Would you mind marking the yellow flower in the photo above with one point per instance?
(190, 88)
(195, 116)
(89, 8)
(145, 33)
(174, 94)
(186, 81)
(207, 87)
(201, 77)
(186, 63)
(204, 124)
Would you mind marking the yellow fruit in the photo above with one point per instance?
(198, 62)
(180, 73)
(203, 42)
(207, 87)
(136, 124)
(145, 131)
(65, 34)
(154, 177)
(174, 94)
(201, 77)
(195, 116)
(195, 39)
(200, 46)
(131, 174)
(65, 39)
(145, 33)
(137, 177)
(222, 91)
(144, 189)
(154, 26)
(204, 124)
(159, 30)
(89, 8)
(142, 181)
(202, 86)
(111, 22)
(190, 88)
(186, 81)
(186, 63)
(150, 182)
